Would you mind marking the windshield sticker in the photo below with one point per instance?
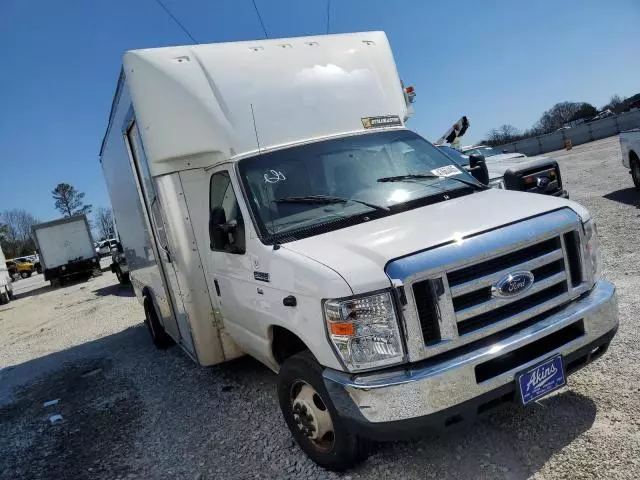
(274, 176)
(379, 122)
(446, 171)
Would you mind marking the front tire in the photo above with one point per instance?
(159, 336)
(123, 278)
(635, 170)
(4, 298)
(312, 418)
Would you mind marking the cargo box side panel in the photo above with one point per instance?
(4, 271)
(128, 211)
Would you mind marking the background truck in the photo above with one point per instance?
(630, 146)
(6, 286)
(509, 171)
(20, 268)
(66, 249)
(270, 201)
(119, 263)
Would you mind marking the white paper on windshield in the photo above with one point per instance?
(446, 171)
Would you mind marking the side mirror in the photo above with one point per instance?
(478, 168)
(218, 238)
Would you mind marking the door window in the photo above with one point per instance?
(226, 225)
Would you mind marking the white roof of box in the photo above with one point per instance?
(195, 100)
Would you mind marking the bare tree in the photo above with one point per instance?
(616, 104)
(503, 134)
(18, 224)
(104, 223)
(557, 116)
(69, 201)
(16, 234)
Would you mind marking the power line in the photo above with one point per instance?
(260, 18)
(328, 15)
(173, 17)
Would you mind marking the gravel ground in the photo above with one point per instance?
(130, 411)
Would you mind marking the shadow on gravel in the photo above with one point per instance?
(628, 196)
(117, 289)
(130, 410)
(99, 405)
(35, 291)
(510, 443)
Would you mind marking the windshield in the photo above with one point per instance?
(485, 151)
(461, 158)
(322, 182)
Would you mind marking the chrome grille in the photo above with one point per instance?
(448, 289)
(475, 307)
(470, 288)
(530, 182)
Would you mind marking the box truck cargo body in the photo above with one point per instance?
(6, 283)
(66, 248)
(270, 201)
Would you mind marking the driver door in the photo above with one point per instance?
(234, 285)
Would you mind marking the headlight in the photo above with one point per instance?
(497, 183)
(591, 251)
(63, 268)
(364, 331)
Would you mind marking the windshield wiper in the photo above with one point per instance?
(417, 176)
(328, 199)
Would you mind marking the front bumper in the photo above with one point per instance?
(443, 390)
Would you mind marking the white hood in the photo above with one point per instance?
(498, 164)
(360, 253)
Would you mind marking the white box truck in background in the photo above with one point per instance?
(271, 201)
(66, 249)
(6, 283)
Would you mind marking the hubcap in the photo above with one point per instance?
(312, 415)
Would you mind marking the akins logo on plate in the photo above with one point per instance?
(512, 284)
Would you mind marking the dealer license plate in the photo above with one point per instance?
(542, 379)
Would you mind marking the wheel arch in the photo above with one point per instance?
(148, 295)
(285, 343)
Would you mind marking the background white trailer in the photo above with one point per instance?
(6, 287)
(66, 248)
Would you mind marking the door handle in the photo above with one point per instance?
(215, 283)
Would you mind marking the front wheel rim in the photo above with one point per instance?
(311, 416)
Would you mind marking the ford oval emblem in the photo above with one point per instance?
(513, 284)
(542, 182)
